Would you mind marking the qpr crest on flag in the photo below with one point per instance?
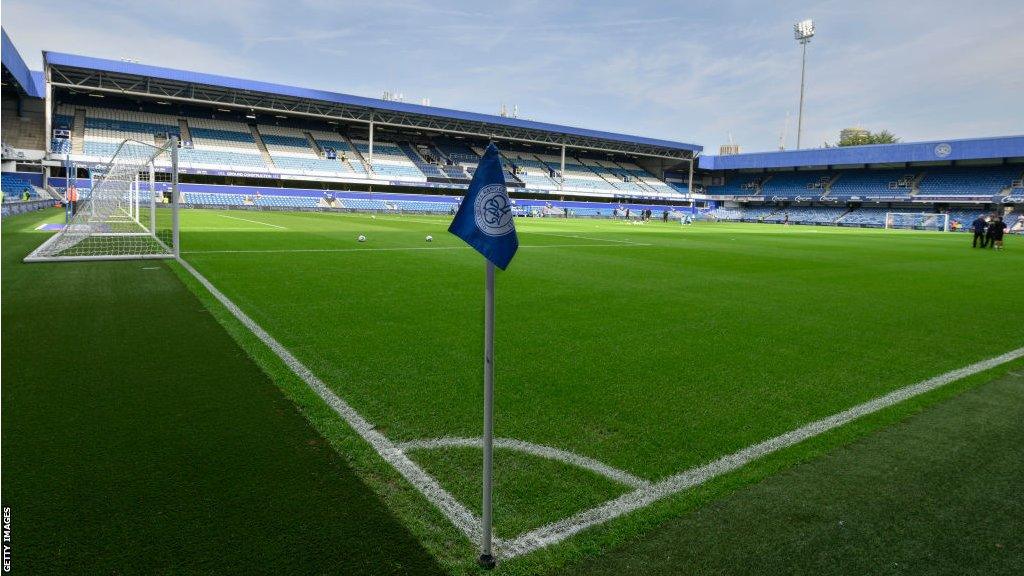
(493, 211)
(485, 220)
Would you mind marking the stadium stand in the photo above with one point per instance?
(807, 215)
(872, 184)
(727, 214)
(739, 184)
(865, 217)
(796, 184)
(15, 186)
(351, 160)
(22, 124)
(979, 181)
(852, 186)
(219, 144)
(428, 169)
(388, 160)
(292, 151)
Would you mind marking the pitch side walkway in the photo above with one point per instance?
(138, 438)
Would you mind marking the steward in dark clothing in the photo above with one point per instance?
(979, 226)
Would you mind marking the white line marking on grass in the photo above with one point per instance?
(644, 495)
(540, 450)
(252, 221)
(562, 529)
(459, 515)
(391, 218)
(219, 228)
(586, 238)
(397, 249)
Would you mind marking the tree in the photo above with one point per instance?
(867, 137)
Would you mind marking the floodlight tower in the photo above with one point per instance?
(803, 31)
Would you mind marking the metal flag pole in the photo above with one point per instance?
(485, 222)
(486, 553)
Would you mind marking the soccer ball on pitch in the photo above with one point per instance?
(373, 216)
(430, 238)
(361, 238)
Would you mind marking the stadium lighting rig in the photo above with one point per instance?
(803, 31)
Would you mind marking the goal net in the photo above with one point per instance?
(917, 221)
(123, 215)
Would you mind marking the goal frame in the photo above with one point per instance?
(889, 216)
(40, 254)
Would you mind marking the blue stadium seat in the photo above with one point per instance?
(14, 186)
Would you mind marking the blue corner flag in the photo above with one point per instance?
(485, 220)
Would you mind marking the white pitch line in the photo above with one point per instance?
(457, 514)
(540, 450)
(396, 249)
(219, 228)
(586, 238)
(562, 529)
(252, 221)
(439, 220)
(557, 531)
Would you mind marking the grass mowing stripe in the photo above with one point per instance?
(561, 530)
(138, 438)
(427, 485)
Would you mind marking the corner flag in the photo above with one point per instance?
(484, 220)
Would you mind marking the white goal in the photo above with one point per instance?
(123, 216)
(917, 221)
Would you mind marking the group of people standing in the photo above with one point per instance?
(990, 230)
(645, 215)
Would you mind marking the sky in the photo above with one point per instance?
(696, 71)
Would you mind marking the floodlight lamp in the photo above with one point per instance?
(803, 30)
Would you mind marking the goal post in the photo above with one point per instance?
(120, 218)
(917, 221)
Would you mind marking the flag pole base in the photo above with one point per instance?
(487, 561)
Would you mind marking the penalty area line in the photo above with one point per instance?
(645, 496)
(252, 221)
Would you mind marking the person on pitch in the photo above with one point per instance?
(995, 233)
(979, 225)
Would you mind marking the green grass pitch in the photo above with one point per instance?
(651, 349)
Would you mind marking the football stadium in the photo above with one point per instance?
(251, 327)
